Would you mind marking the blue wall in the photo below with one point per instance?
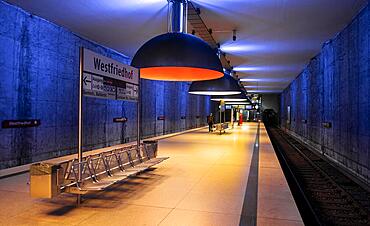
(335, 88)
(39, 68)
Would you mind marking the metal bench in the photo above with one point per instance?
(99, 171)
(222, 127)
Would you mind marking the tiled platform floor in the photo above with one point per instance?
(203, 183)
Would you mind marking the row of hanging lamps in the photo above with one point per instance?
(176, 55)
(238, 103)
(226, 85)
(235, 98)
(241, 97)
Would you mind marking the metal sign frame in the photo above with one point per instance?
(80, 117)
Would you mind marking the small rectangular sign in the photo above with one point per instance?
(97, 83)
(129, 93)
(160, 118)
(121, 120)
(20, 123)
(288, 115)
(248, 107)
(327, 125)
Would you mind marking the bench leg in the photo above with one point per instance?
(79, 199)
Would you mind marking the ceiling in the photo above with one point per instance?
(275, 38)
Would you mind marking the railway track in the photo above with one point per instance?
(324, 195)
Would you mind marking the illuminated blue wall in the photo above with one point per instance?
(335, 88)
(39, 68)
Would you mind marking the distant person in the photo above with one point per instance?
(210, 122)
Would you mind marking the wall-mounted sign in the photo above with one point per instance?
(107, 78)
(288, 115)
(121, 120)
(248, 107)
(327, 125)
(20, 123)
(160, 117)
(222, 105)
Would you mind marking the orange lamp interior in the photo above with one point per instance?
(179, 73)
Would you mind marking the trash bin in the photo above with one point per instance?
(44, 180)
(151, 147)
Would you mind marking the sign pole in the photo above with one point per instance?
(80, 122)
(220, 112)
(232, 116)
(138, 111)
(103, 77)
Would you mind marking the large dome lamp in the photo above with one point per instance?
(177, 56)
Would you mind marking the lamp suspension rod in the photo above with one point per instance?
(177, 16)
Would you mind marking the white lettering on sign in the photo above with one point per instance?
(97, 83)
(97, 64)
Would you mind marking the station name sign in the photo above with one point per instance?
(160, 118)
(104, 77)
(6, 124)
(121, 120)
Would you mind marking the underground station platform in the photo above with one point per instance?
(209, 179)
(185, 112)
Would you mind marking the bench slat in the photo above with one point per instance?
(105, 169)
(96, 187)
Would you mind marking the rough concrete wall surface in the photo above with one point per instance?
(335, 88)
(39, 69)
